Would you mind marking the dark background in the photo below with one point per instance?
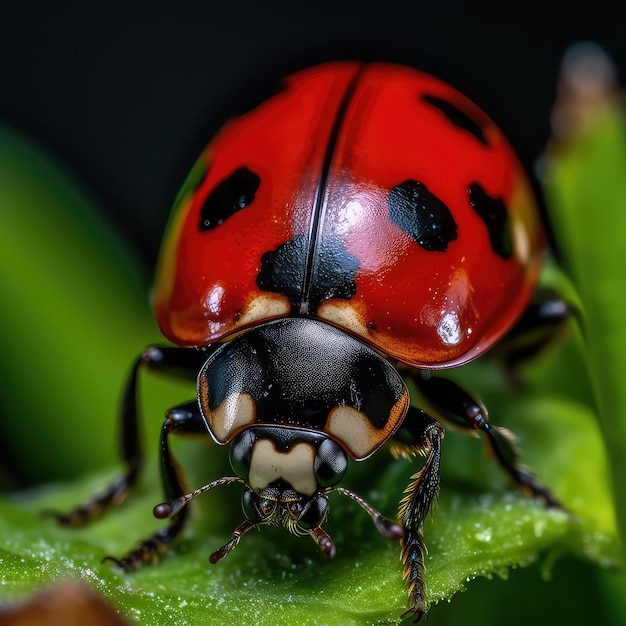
(127, 96)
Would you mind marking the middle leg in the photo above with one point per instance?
(187, 420)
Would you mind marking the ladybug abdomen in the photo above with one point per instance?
(374, 197)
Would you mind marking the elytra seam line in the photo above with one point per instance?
(320, 193)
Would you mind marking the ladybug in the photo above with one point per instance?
(364, 225)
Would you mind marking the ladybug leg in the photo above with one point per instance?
(185, 419)
(180, 362)
(458, 407)
(541, 325)
(426, 435)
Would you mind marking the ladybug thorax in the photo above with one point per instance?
(299, 382)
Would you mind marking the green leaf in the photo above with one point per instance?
(78, 315)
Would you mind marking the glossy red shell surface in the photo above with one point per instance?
(327, 150)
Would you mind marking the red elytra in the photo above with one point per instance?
(301, 187)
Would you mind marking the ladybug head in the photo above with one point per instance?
(300, 515)
(287, 471)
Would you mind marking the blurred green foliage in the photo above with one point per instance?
(586, 189)
(75, 313)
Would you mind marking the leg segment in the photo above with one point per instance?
(180, 362)
(384, 526)
(458, 407)
(185, 419)
(542, 323)
(425, 434)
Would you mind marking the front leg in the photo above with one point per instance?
(425, 435)
(186, 420)
(181, 363)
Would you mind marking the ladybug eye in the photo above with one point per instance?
(256, 509)
(330, 463)
(312, 514)
(231, 195)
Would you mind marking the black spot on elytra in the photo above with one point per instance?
(493, 213)
(231, 195)
(282, 270)
(333, 272)
(457, 117)
(421, 215)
